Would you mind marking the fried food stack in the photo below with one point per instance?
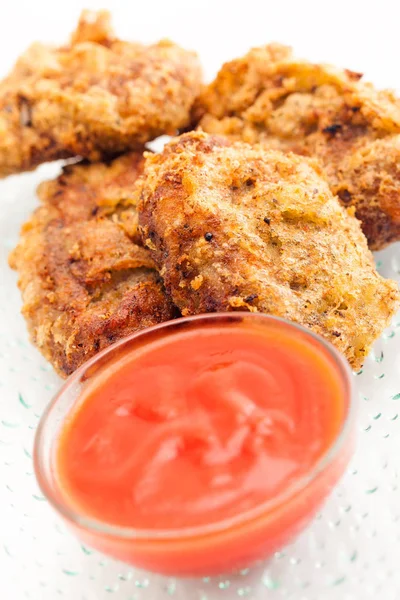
(254, 214)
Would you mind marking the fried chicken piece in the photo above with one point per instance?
(269, 96)
(85, 281)
(96, 97)
(235, 227)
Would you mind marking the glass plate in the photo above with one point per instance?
(349, 553)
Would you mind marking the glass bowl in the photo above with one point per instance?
(187, 551)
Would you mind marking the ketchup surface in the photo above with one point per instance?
(199, 426)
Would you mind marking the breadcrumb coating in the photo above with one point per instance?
(269, 96)
(96, 97)
(85, 280)
(235, 227)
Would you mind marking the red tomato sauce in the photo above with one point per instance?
(200, 426)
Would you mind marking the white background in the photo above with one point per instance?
(350, 553)
(359, 35)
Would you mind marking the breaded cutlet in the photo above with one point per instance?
(235, 227)
(85, 279)
(95, 97)
(268, 96)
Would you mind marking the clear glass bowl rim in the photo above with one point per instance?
(95, 526)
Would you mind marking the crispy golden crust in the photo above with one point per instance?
(96, 97)
(270, 97)
(233, 227)
(84, 279)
